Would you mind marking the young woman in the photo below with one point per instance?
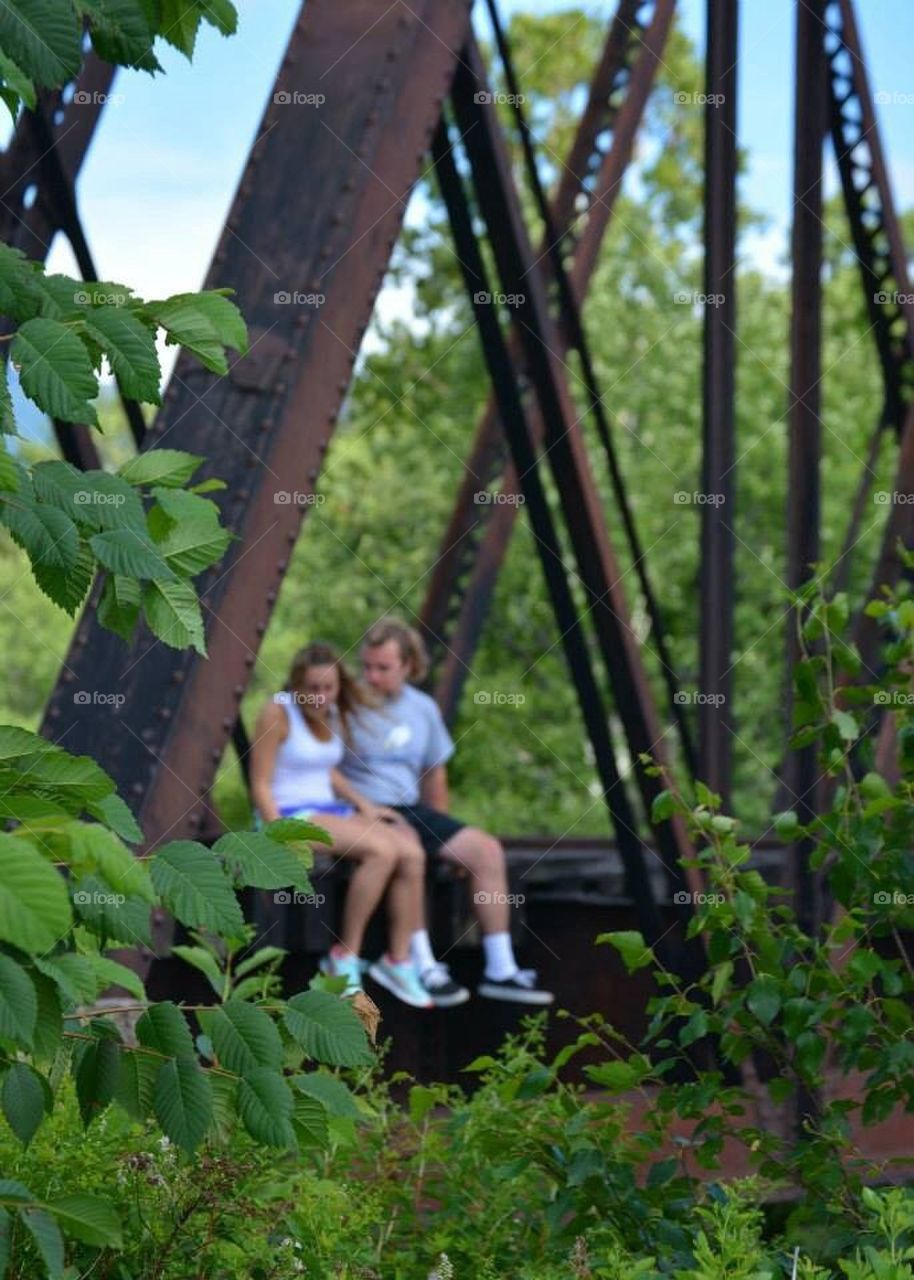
(299, 742)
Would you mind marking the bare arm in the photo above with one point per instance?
(433, 789)
(271, 730)
(346, 791)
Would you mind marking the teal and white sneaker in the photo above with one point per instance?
(401, 980)
(348, 967)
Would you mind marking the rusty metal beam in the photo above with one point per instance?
(597, 566)
(383, 71)
(716, 590)
(476, 539)
(514, 414)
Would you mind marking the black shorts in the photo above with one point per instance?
(433, 827)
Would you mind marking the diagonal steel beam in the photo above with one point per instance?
(476, 539)
(597, 566)
(383, 72)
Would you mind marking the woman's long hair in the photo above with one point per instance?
(352, 694)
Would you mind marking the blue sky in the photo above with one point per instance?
(157, 183)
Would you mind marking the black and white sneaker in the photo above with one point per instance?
(444, 991)
(520, 987)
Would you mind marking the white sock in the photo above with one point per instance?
(420, 950)
(499, 954)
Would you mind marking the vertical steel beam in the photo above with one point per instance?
(810, 125)
(716, 574)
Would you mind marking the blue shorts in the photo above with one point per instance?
(309, 812)
(315, 810)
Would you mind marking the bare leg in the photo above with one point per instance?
(406, 895)
(483, 859)
(377, 851)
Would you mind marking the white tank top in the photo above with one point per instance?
(301, 774)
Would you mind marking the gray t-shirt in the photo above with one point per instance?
(393, 746)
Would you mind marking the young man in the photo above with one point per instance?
(397, 757)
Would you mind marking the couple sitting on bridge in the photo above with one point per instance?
(367, 762)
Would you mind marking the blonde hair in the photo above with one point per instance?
(408, 641)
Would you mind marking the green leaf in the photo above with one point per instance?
(49, 538)
(244, 1037)
(193, 886)
(67, 587)
(173, 613)
(163, 1027)
(49, 1022)
(6, 1223)
(309, 1122)
(167, 467)
(786, 825)
(124, 551)
(96, 1071)
(328, 1029)
(180, 20)
(663, 806)
(119, 607)
(763, 997)
(846, 725)
(88, 1219)
(136, 1082)
(96, 849)
(265, 1104)
(23, 1101)
(21, 85)
(112, 917)
(55, 369)
(203, 961)
(18, 1002)
(42, 36)
(72, 973)
(114, 813)
(131, 351)
(183, 1102)
(109, 972)
(193, 545)
(9, 476)
(204, 323)
(722, 974)
(332, 1092)
(252, 858)
(630, 944)
(34, 903)
(47, 1237)
(298, 832)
